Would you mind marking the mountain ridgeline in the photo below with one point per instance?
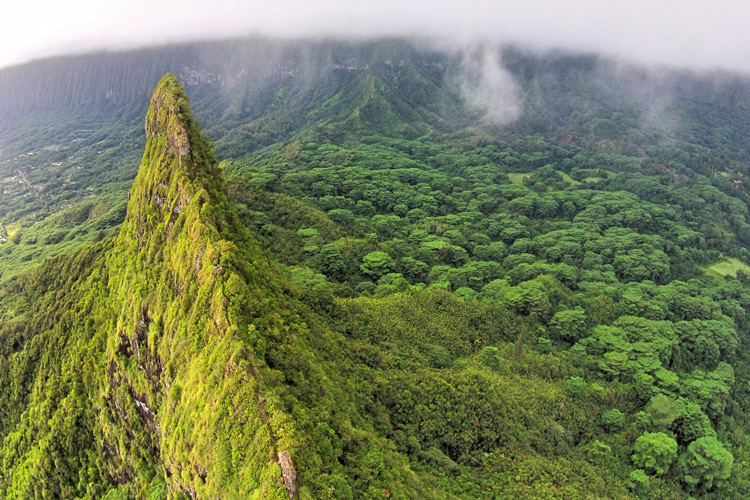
(157, 309)
(393, 272)
(71, 134)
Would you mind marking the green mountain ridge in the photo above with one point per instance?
(154, 381)
(169, 268)
(73, 143)
(389, 297)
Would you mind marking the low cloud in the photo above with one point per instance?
(487, 86)
(681, 33)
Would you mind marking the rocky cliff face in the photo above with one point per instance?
(116, 81)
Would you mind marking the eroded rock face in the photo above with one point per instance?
(169, 116)
(290, 475)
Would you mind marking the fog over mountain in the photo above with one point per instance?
(674, 33)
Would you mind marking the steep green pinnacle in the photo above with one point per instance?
(177, 164)
(180, 271)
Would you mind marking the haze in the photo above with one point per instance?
(687, 33)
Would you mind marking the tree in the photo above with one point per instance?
(612, 419)
(575, 386)
(693, 423)
(598, 452)
(466, 293)
(569, 325)
(615, 363)
(490, 356)
(332, 262)
(529, 297)
(376, 264)
(342, 216)
(601, 310)
(638, 482)
(655, 452)
(705, 464)
(495, 251)
(663, 410)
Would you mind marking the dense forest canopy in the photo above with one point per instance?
(385, 275)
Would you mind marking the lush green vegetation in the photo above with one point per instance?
(61, 189)
(728, 267)
(405, 300)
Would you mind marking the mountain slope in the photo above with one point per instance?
(170, 362)
(71, 137)
(393, 293)
(67, 141)
(159, 304)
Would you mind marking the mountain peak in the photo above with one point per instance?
(178, 165)
(170, 123)
(169, 114)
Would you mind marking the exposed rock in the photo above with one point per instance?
(290, 475)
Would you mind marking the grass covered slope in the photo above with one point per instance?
(375, 315)
(182, 348)
(151, 350)
(174, 360)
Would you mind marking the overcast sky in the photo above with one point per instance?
(691, 33)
